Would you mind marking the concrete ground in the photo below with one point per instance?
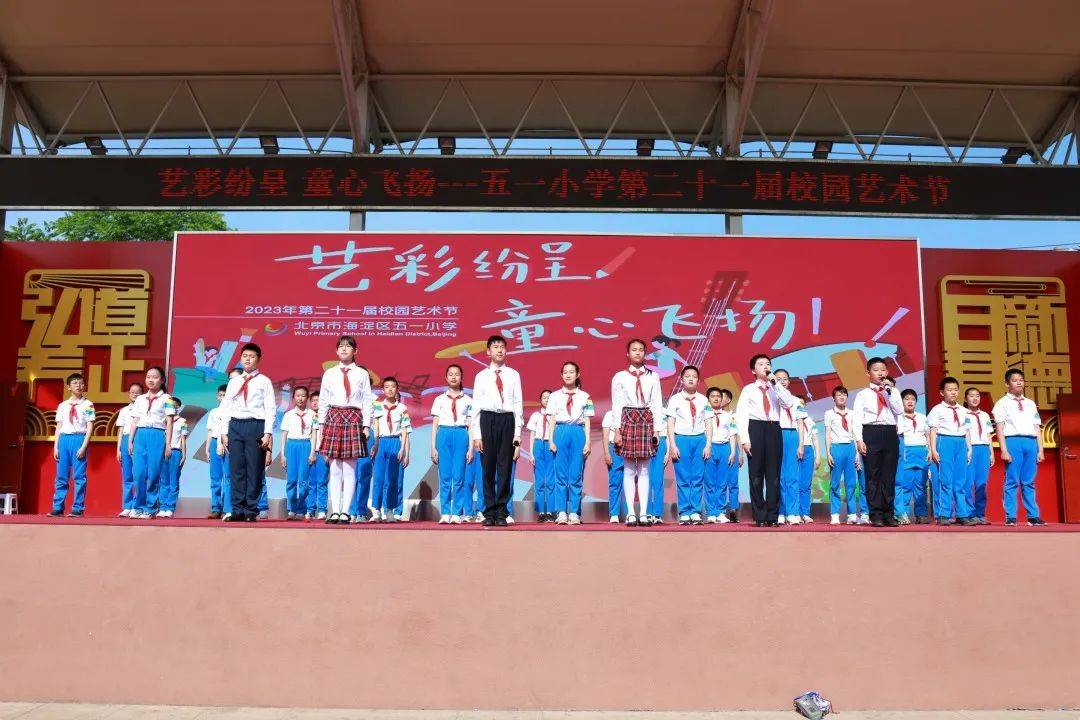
(80, 711)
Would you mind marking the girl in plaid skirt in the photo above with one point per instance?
(344, 423)
(637, 414)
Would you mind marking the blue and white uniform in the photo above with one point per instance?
(149, 415)
(688, 415)
(454, 414)
(722, 468)
(296, 425)
(980, 435)
(914, 465)
(74, 420)
(1022, 425)
(170, 486)
(951, 494)
(541, 424)
(839, 425)
(388, 474)
(127, 501)
(569, 410)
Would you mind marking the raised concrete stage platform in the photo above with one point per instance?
(185, 613)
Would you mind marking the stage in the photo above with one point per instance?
(415, 615)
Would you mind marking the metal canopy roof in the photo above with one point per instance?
(962, 73)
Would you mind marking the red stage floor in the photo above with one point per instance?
(816, 527)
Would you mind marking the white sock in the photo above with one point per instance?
(636, 469)
(348, 483)
(334, 486)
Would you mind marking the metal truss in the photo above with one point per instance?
(728, 123)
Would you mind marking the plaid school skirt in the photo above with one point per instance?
(637, 430)
(343, 434)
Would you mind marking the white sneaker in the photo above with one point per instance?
(455, 519)
(834, 519)
(794, 520)
(904, 520)
(807, 519)
(696, 518)
(479, 517)
(781, 520)
(165, 514)
(711, 520)
(684, 519)
(226, 516)
(562, 519)
(397, 518)
(575, 519)
(658, 520)
(143, 516)
(722, 519)
(852, 519)
(614, 520)
(124, 513)
(444, 519)
(321, 516)
(864, 519)
(631, 519)
(307, 516)
(263, 515)
(290, 515)
(510, 520)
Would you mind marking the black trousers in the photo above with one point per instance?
(882, 453)
(497, 435)
(247, 464)
(766, 454)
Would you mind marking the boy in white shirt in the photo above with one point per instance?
(914, 463)
(391, 452)
(1019, 431)
(74, 425)
(170, 487)
(950, 450)
(874, 414)
(218, 463)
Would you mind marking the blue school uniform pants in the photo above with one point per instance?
(69, 465)
(689, 473)
(362, 491)
(806, 480)
(1020, 473)
(789, 472)
(951, 495)
(544, 477)
(387, 475)
(320, 475)
(655, 505)
(170, 480)
(911, 479)
(615, 482)
(978, 474)
(452, 444)
(218, 478)
(569, 441)
(843, 471)
(126, 476)
(721, 481)
(297, 474)
(147, 465)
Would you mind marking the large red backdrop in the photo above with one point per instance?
(418, 302)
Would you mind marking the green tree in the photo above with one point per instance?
(23, 229)
(135, 225)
